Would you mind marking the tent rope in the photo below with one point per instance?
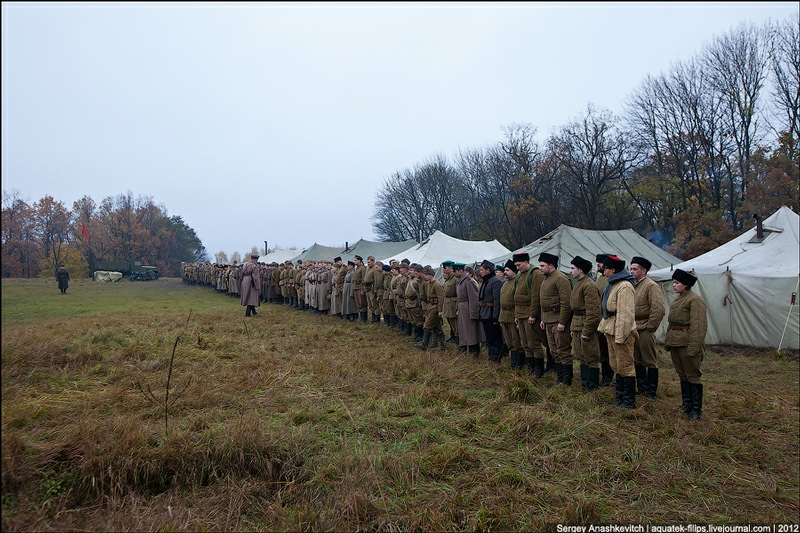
(789, 314)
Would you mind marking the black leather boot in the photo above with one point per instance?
(475, 350)
(426, 339)
(593, 379)
(697, 401)
(629, 392)
(407, 332)
(418, 333)
(442, 342)
(641, 379)
(376, 319)
(559, 370)
(620, 391)
(652, 383)
(515, 360)
(608, 374)
(584, 377)
(686, 397)
(530, 364)
(567, 371)
(538, 368)
(551, 364)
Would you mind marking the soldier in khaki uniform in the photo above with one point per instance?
(400, 297)
(385, 303)
(507, 307)
(527, 315)
(688, 324)
(556, 315)
(450, 309)
(434, 296)
(585, 303)
(358, 287)
(649, 312)
(413, 301)
(602, 282)
(368, 286)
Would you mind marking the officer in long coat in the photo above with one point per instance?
(250, 290)
(470, 332)
(489, 302)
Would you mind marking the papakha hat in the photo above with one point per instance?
(544, 257)
(612, 261)
(684, 277)
(521, 257)
(583, 264)
(511, 266)
(641, 261)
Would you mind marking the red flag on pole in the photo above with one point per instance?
(83, 230)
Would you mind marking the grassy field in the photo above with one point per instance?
(291, 421)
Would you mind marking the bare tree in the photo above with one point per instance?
(785, 64)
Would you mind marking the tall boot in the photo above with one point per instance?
(442, 342)
(515, 360)
(567, 370)
(453, 338)
(418, 332)
(641, 379)
(652, 383)
(686, 397)
(559, 370)
(363, 316)
(620, 391)
(401, 325)
(697, 401)
(584, 377)
(475, 350)
(247, 311)
(608, 374)
(407, 332)
(538, 367)
(530, 364)
(592, 379)
(426, 339)
(629, 392)
(376, 319)
(551, 364)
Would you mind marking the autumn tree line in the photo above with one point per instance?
(694, 155)
(38, 237)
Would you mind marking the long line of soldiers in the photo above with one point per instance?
(538, 316)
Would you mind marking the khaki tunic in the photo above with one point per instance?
(649, 312)
(586, 314)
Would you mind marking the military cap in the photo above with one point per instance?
(428, 270)
(337, 258)
(544, 257)
(358, 257)
(386, 268)
(351, 263)
(417, 267)
(395, 264)
(614, 262)
(498, 267)
(583, 264)
(599, 257)
(684, 277)
(521, 257)
(447, 263)
(488, 265)
(405, 260)
(254, 255)
(458, 266)
(511, 266)
(370, 258)
(641, 261)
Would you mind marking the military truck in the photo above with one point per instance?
(134, 270)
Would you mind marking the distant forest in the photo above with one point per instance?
(696, 153)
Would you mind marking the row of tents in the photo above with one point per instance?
(749, 284)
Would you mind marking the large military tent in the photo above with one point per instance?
(317, 252)
(566, 242)
(441, 247)
(278, 256)
(378, 250)
(749, 285)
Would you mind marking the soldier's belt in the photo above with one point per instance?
(555, 308)
(609, 314)
(679, 328)
(486, 304)
(579, 312)
(507, 307)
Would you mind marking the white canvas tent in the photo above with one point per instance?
(317, 252)
(566, 242)
(377, 249)
(278, 256)
(749, 285)
(441, 247)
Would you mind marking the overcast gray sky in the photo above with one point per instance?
(281, 121)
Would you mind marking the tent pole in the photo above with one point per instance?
(794, 296)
